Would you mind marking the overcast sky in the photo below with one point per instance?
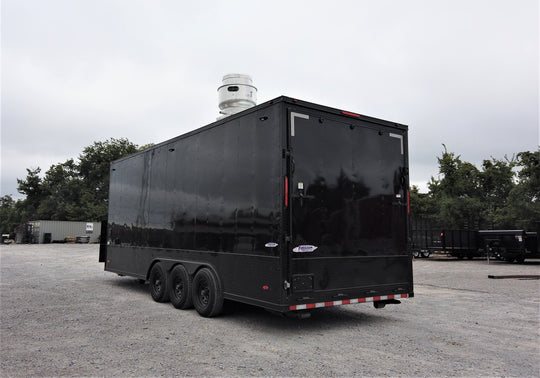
(460, 72)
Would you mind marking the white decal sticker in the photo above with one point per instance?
(271, 245)
(304, 248)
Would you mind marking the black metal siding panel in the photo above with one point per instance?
(216, 193)
(353, 205)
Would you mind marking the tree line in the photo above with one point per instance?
(502, 194)
(75, 190)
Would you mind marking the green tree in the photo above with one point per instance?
(423, 205)
(9, 214)
(457, 195)
(61, 186)
(94, 163)
(497, 180)
(73, 190)
(522, 208)
(505, 194)
(32, 188)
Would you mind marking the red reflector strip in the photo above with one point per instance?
(350, 114)
(346, 301)
(408, 203)
(286, 191)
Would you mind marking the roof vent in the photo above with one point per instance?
(237, 93)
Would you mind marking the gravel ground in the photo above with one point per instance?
(62, 315)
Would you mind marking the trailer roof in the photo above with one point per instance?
(284, 99)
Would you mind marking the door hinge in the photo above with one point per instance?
(285, 153)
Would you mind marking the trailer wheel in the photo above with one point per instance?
(416, 254)
(158, 283)
(180, 288)
(207, 294)
(425, 254)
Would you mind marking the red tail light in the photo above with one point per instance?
(286, 191)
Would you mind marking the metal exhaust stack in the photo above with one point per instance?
(237, 93)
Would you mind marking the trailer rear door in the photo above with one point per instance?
(349, 204)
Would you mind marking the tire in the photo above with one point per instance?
(416, 254)
(425, 254)
(158, 283)
(180, 288)
(207, 294)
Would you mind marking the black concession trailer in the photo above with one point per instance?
(288, 205)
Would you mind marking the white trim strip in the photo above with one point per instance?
(398, 136)
(299, 115)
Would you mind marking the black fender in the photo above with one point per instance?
(191, 266)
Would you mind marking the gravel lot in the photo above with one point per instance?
(62, 315)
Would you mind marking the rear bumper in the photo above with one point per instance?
(308, 306)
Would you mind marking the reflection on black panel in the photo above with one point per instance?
(219, 190)
(349, 189)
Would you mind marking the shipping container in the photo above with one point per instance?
(50, 231)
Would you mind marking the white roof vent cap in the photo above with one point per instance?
(237, 93)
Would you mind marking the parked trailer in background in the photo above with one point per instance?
(287, 205)
(457, 243)
(460, 243)
(425, 242)
(508, 245)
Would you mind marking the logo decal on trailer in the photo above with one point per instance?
(304, 248)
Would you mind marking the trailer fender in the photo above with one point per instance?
(191, 266)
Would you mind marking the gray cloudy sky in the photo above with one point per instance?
(460, 72)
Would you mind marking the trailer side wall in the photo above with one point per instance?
(218, 190)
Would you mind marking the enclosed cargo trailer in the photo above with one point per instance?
(288, 205)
